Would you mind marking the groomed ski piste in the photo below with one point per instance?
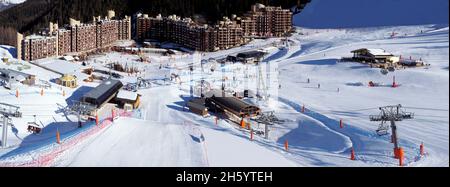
(164, 133)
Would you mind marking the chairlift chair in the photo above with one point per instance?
(34, 128)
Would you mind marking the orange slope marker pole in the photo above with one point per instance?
(422, 152)
(286, 145)
(401, 156)
(352, 154)
(58, 138)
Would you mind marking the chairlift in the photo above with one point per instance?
(383, 129)
(34, 128)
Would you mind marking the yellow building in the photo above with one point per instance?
(68, 81)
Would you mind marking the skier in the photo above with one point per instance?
(318, 86)
(308, 81)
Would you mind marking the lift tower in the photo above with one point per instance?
(7, 111)
(390, 114)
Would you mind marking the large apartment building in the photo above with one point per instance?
(177, 30)
(37, 47)
(75, 37)
(264, 21)
(261, 21)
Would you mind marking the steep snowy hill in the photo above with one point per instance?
(370, 13)
(4, 4)
(7, 51)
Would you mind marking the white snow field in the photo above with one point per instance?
(163, 133)
(169, 136)
(369, 13)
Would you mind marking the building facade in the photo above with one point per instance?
(37, 47)
(261, 21)
(264, 21)
(76, 37)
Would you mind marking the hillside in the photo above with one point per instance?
(369, 13)
(4, 4)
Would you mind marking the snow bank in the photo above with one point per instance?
(7, 51)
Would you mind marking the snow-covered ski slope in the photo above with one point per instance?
(167, 135)
(370, 13)
(315, 138)
(187, 140)
(424, 91)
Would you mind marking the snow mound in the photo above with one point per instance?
(7, 51)
(369, 13)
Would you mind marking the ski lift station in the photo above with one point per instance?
(103, 93)
(230, 105)
(374, 55)
(10, 76)
(248, 57)
(128, 100)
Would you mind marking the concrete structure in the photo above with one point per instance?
(19, 39)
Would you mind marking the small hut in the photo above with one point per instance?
(197, 106)
(68, 81)
(128, 100)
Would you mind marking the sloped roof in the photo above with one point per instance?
(379, 52)
(127, 95)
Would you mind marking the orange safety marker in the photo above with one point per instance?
(341, 124)
(394, 84)
(401, 155)
(96, 119)
(352, 154)
(17, 93)
(422, 149)
(286, 145)
(58, 138)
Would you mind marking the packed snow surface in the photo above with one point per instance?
(370, 13)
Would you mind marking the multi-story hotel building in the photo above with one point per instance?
(261, 21)
(75, 37)
(264, 21)
(37, 47)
